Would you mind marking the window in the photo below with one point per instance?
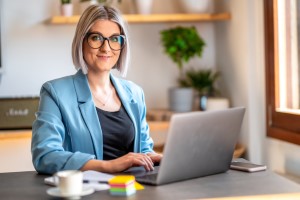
(282, 43)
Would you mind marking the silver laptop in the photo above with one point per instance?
(198, 144)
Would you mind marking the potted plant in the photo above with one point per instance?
(108, 1)
(66, 8)
(84, 4)
(181, 44)
(204, 82)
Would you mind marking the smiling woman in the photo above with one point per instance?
(93, 120)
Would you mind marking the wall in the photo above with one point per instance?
(240, 56)
(34, 52)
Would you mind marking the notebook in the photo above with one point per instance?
(198, 144)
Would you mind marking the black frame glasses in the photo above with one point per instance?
(96, 41)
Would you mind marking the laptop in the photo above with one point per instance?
(198, 144)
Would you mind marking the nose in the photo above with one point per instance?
(105, 46)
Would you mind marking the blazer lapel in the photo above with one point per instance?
(88, 112)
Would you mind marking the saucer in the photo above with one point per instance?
(97, 186)
(55, 192)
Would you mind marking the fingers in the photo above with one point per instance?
(155, 157)
(130, 160)
(144, 160)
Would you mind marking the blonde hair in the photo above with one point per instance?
(86, 21)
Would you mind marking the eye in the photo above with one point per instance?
(114, 38)
(96, 37)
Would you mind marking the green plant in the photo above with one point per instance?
(181, 44)
(107, 1)
(100, 1)
(65, 1)
(202, 81)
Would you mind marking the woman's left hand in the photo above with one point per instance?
(155, 157)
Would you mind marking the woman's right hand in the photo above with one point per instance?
(129, 160)
(120, 164)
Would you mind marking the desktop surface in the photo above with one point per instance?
(30, 185)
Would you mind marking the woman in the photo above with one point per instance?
(93, 120)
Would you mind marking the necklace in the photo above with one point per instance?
(103, 103)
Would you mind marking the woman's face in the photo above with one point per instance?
(104, 58)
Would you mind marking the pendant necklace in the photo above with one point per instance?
(103, 103)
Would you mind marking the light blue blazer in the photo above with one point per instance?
(67, 133)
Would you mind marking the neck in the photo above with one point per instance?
(99, 81)
(101, 88)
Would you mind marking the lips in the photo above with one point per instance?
(102, 57)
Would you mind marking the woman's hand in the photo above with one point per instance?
(129, 160)
(124, 163)
(155, 157)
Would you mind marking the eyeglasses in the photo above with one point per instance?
(96, 41)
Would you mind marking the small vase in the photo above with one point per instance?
(66, 10)
(203, 102)
(144, 6)
(195, 6)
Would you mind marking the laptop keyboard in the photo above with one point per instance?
(147, 179)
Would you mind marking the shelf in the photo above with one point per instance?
(158, 126)
(15, 134)
(154, 18)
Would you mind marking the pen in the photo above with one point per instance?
(102, 182)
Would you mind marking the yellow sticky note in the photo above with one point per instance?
(138, 186)
(121, 179)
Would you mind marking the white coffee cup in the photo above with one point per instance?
(70, 182)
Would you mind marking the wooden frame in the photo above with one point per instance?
(283, 126)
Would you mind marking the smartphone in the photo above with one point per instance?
(248, 167)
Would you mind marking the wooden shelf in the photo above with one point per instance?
(158, 126)
(154, 18)
(15, 134)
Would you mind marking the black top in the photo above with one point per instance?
(118, 133)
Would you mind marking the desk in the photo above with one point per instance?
(29, 185)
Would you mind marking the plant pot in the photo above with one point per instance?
(84, 5)
(143, 6)
(195, 6)
(66, 10)
(181, 99)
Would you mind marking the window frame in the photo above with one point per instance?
(282, 126)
